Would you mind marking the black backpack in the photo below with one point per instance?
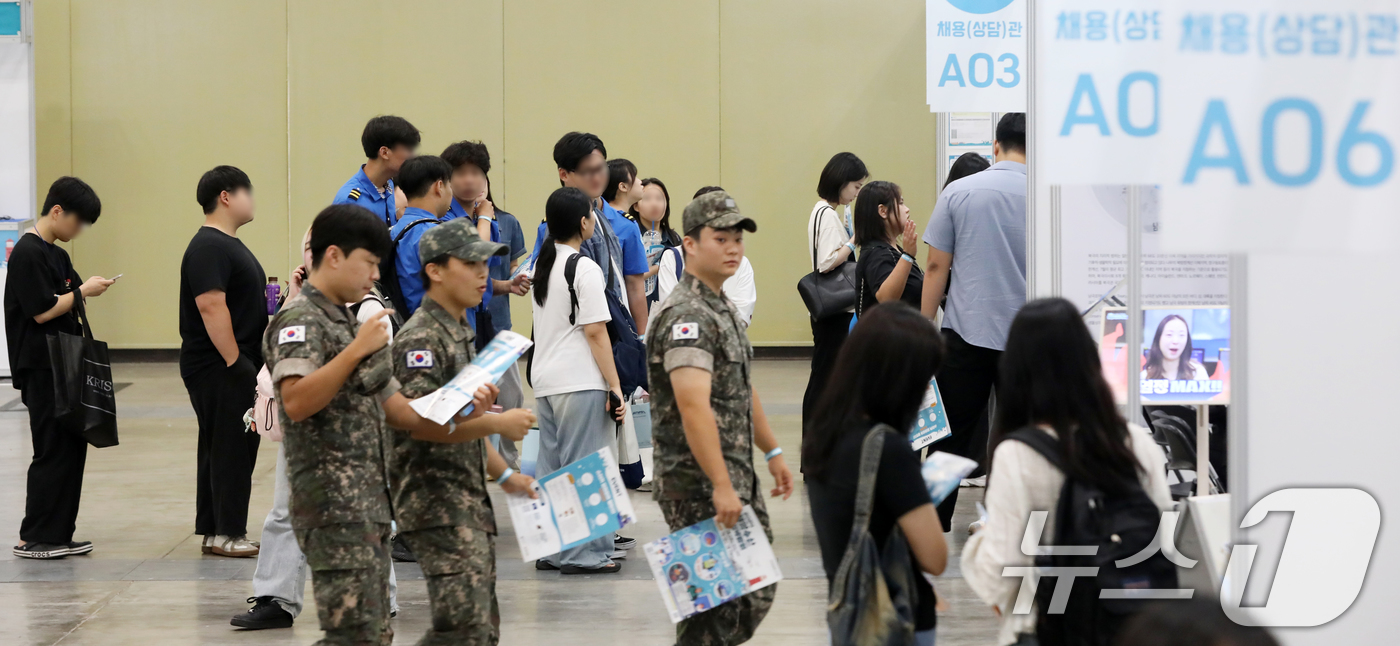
(1120, 526)
(395, 320)
(629, 353)
(388, 283)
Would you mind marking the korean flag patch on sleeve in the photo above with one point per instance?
(681, 331)
(292, 334)
(420, 359)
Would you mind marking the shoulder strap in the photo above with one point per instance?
(1043, 444)
(816, 226)
(870, 452)
(680, 260)
(570, 270)
(412, 224)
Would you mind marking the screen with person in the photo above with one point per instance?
(1184, 359)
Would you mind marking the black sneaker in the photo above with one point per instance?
(265, 613)
(621, 542)
(79, 547)
(612, 567)
(401, 552)
(544, 565)
(42, 551)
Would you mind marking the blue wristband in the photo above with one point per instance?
(505, 475)
(773, 454)
(905, 256)
(851, 245)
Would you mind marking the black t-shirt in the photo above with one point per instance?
(39, 273)
(899, 489)
(877, 261)
(218, 261)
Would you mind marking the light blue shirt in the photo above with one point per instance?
(358, 190)
(981, 220)
(456, 210)
(406, 261)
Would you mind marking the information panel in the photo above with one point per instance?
(976, 55)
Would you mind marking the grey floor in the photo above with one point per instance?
(147, 583)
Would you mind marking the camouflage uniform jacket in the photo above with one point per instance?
(436, 484)
(336, 458)
(699, 328)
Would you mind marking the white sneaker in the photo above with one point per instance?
(234, 546)
(979, 481)
(618, 555)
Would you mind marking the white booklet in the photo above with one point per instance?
(488, 367)
(702, 566)
(581, 502)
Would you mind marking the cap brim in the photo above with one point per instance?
(479, 250)
(732, 220)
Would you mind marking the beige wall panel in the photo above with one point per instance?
(802, 80)
(155, 103)
(53, 113)
(436, 63)
(642, 75)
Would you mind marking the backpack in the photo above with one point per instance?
(629, 353)
(655, 295)
(396, 319)
(1119, 526)
(388, 284)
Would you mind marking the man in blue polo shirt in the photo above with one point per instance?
(426, 183)
(979, 229)
(388, 141)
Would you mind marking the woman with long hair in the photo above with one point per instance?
(1170, 353)
(830, 245)
(1050, 378)
(880, 377)
(653, 216)
(572, 370)
(886, 270)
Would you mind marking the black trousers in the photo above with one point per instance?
(226, 453)
(966, 380)
(828, 335)
(56, 473)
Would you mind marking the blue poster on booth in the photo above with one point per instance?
(932, 423)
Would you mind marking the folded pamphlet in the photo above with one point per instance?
(703, 566)
(488, 367)
(579, 503)
(943, 472)
(932, 422)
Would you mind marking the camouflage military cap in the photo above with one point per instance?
(716, 210)
(457, 238)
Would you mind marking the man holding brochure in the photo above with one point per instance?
(439, 490)
(707, 414)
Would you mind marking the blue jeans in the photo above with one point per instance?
(924, 638)
(281, 572)
(573, 426)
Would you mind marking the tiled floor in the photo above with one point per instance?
(147, 583)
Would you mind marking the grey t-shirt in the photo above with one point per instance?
(981, 220)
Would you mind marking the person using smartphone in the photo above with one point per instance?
(41, 298)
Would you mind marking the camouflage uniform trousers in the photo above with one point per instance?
(460, 566)
(728, 623)
(350, 578)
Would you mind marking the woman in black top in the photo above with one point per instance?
(880, 378)
(886, 270)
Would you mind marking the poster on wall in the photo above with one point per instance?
(975, 54)
(970, 132)
(1094, 254)
(1185, 357)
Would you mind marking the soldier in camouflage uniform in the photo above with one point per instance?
(337, 390)
(439, 490)
(698, 356)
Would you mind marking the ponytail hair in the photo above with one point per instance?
(564, 213)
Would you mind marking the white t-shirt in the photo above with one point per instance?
(740, 288)
(563, 362)
(832, 234)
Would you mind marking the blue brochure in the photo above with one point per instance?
(932, 423)
(703, 566)
(581, 502)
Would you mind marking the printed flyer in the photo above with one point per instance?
(581, 502)
(488, 367)
(703, 566)
(943, 472)
(932, 423)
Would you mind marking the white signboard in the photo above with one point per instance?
(1269, 125)
(976, 55)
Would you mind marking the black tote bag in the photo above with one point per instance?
(830, 293)
(84, 399)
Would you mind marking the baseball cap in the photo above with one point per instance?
(716, 210)
(457, 238)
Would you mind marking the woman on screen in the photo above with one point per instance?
(1170, 356)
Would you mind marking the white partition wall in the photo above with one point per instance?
(16, 136)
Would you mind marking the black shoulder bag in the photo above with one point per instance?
(830, 293)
